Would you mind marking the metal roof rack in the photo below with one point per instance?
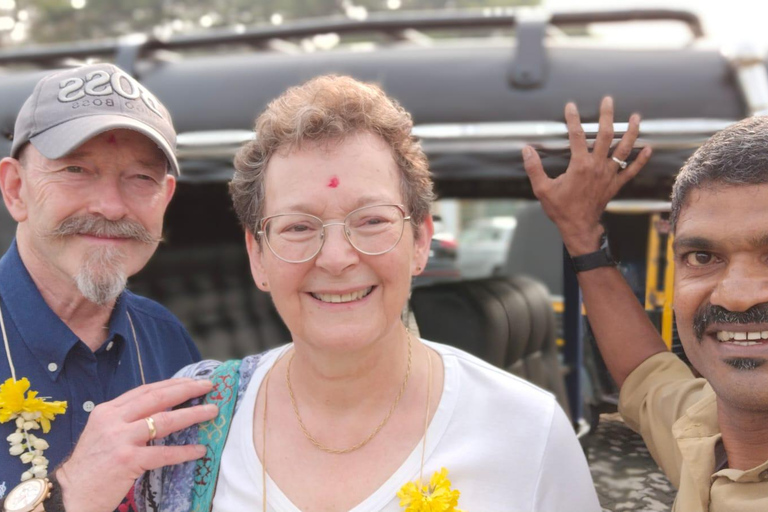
(670, 134)
(395, 25)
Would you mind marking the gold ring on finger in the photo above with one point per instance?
(151, 426)
(622, 163)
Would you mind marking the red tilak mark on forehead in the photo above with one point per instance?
(334, 182)
(111, 139)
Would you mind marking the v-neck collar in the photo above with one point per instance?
(408, 470)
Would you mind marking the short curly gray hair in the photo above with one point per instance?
(737, 155)
(324, 109)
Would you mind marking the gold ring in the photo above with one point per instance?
(151, 426)
(619, 161)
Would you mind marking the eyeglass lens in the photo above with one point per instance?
(371, 230)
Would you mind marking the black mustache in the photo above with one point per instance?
(96, 225)
(708, 314)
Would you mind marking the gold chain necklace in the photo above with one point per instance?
(376, 430)
(266, 402)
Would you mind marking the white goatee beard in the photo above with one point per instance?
(101, 278)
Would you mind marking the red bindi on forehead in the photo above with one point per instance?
(334, 182)
(111, 139)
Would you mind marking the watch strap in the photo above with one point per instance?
(55, 502)
(599, 258)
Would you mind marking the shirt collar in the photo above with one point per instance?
(756, 474)
(47, 336)
(119, 327)
(700, 420)
(698, 434)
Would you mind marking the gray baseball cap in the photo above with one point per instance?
(68, 108)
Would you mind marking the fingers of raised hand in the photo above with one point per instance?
(624, 147)
(576, 135)
(604, 137)
(631, 171)
(535, 170)
(167, 422)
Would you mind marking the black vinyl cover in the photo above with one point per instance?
(466, 83)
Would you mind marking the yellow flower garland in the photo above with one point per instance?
(18, 403)
(435, 497)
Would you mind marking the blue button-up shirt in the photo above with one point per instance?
(61, 367)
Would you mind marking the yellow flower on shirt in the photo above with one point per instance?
(13, 403)
(12, 398)
(435, 497)
(31, 413)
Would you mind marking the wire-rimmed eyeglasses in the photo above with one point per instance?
(299, 237)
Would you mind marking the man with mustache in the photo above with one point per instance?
(708, 434)
(91, 172)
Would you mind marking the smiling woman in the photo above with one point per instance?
(357, 413)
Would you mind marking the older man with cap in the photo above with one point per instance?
(91, 172)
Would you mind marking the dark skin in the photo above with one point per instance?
(575, 201)
(729, 270)
(722, 264)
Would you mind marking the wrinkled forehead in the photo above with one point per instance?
(357, 165)
(724, 211)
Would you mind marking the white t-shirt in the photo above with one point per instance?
(506, 443)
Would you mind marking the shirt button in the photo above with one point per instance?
(110, 345)
(88, 406)
(52, 367)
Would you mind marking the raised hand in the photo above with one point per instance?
(113, 449)
(575, 200)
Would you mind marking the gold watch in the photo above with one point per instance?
(28, 496)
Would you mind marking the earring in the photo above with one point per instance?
(263, 283)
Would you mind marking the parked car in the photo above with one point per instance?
(483, 246)
(441, 265)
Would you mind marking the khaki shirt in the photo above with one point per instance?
(676, 413)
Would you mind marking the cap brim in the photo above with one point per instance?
(62, 139)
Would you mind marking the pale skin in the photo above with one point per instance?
(112, 451)
(350, 360)
(116, 175)
(737, 279)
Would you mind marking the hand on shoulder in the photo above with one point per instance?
(114, 448)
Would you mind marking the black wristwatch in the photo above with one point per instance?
(600, 258)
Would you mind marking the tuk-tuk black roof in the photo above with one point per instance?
(456, 84)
